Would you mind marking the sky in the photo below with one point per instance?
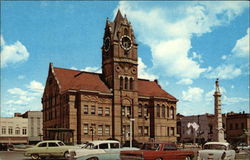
(186, 45)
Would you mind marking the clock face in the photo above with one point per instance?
(106, 44)
(125, 42)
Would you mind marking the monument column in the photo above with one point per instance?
(219, 131)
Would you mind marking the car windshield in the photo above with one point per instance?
(89, 146)
(215, 146)
(61, 144)
(150, 146)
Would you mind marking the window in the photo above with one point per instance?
(140, 110)
(107, 130)
(42, 145)
(242, 125)
(114, 145)
(146, 131)
(145, 110)
(17, 131)
(103, 146)
(123, 110)
(172, 131)
(158, 110)
(51, 144)
(10, 130)
(131, 84)
(86, 109)
(100, 111)
(4, 130)
(236, 126)
(107, 111)
(126, 82)
(24, 131)
(163, 111)
(172, 112)
(231, 126)
(121, 83)
(128, 110)
(85, 129)
(93, 110)
(169, 147)
(140, 130)
(100, 130)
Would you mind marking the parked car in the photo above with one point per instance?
(216, 150)
(243, 146)
(109, 150)
(53, 148)
(157, 151)
(108, 154)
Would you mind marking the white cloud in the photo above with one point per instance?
(168, 30)
(11, 54)
(35, 86)
(192, 94)
(20, 76)
(143, 71)
(17, 91)
(224, 72)
(232, 86)
(224, 57)
(241, 48)
(233, 100)
(185, 81)
(21, 100)
(89, 69)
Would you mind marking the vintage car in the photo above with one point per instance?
(53, 148)
(243, 146)
(108, 149)
(216, 151)
(157, 151)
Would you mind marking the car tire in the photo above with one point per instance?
(159, 159)
(92, 158)
(35, 156)
(66, 155)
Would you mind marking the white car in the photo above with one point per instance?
(216, 151)
(97, 148)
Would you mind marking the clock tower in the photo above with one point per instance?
(119, 68)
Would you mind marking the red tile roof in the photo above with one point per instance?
(152, 89)
(81, 80)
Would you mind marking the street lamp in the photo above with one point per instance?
(92, 132)
(130, 135)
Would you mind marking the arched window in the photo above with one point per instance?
(158, 110)
(131, 84)
(140, 110)
(17, 131)
(121, 83)
(163, 111)
(126, 82)
(172, 112)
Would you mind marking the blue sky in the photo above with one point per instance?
(185, 45)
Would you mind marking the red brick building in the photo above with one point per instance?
(238, 128)
(78, 105)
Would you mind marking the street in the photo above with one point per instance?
(18, 155)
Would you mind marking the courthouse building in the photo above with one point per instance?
(79, 105)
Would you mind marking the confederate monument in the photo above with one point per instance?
(219, 131)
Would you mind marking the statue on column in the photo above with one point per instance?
(217, 85)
